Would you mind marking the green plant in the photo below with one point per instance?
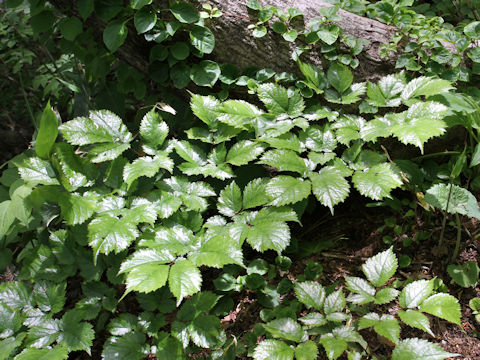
(334, 320)
(474, 304)
(465, 275)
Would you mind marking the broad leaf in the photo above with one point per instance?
(333, 347)
(202, 38)
(377, 182)
(444, 306)
(153, 131)
(385, 295)
(424, 86)
(205, 108)
(76, 209)
(285, 328)
(185, 279)
(386, 326)
(285, 190)
(306, 351)
(273, 350)
(255, 193)
(37, 171)
(310, 293)
(243, 152)
(329, 187)
(334, 302)
(414, 293)
(131, 346)
(381, 267)
(205, 331)
(415, 319)
(230, 200)
(76, 334)
(47, 133)
(363, 291)
(58, 352)
(339, 76)
(115, 34)
(146, 166)
(184, 12)
(461, 200)
(284, 160)
(277, 100)
(419, 349)
(238, 113)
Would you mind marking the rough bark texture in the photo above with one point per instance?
(235, 44)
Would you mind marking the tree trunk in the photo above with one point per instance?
(235, 44)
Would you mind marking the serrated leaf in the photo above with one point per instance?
(205, 108)
(285, 190)
(335, 302)
(10, 321)
(347, 128)
(277, 100)
(273, 350)
(230, 200)
(461, 200)
(45, 332)
(131, 346)
(255, 193)
(37, 171)
(306, 351)
(386, 325)
(313, 319)
(333, 347)
(243, 152)
(153, 131)
(385, 295)
(76, 334)
(381, 267)
(109, 233)
(386, 92)
(16, 295)
(285, 328)
(444, 306)
(238, 113)
(217, 251)
(199, 303)
(268, 235)
(377, 182)
(101, 126)
(165, 204)
(146, 166)
(205, 331)
(421, 122)
(7, 217)
(310, 293)
(425, 86)
(76, 209)
(318, 138)
(329, 187)
(58, 352)
(414, 293)
(419, 349)
(192, 194)
(50, 297)
(284, 160)
(185, 279)
(415, 319)
(360, 287)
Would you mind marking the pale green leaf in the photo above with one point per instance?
(285, 328)
(7, 217)
(284, 190)
(243, 152)
(414, 293)
(255, 193)
(230, 200)
(444, 306)
(284, 160)
(37, 171)
(329, 187)
(363, 291)
(76, 209)
(415, 319)
(461, 200)
(310, 293)
(146, 166)
(385, 295)
(58, 352)
(238, 113)
(425, 86)
(334, 302)
(419, 349)
(153, 131)
(306, 351)
(377, 182)
(381, 267)
(386, 325)
(205, 108)
(185, 279)
(273, 350)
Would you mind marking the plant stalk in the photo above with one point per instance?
(444, 221)
(459, 237)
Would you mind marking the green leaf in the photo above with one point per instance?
(185, 279)
(277, 100)
(385, 295)
(285, 328)
(205, 331)
(306, 351)
(144, 20)
(76, 209)
(44, 332)
(192, 194)
(184, 12)
(230, 200)
(381, 267)
(461, 201)
(255, 193)
(138, 4)
(415, 319)
(318, 138)
(205, 73)
(99, 127)
(348, 128)
(37, 171)
(333, 347)
(146, 270)
(334, 302)
(414, 293)
(71, 28)
(273, 350)
(180, 50)
(47, 133)
(202, 38)
(329, 187)
(284, 160)
(7, 217)
(58, 352)
(85, 8)
(115, 34)
(146, 166)
(76, 334)
(153, 131)
(11, 321)
(205, 108)
(310, 293)
(386, 93)
(284, 190)
(363, 291)
(74, 172)
(377, 182)
(108, 233)
(444, 306)
(419, 349)
(243, 152)
(465, 275)
(424, 86)
(131, 346)
(268, 234)
(339, 76)
(16, 295)
(313, 319)
(386, 326)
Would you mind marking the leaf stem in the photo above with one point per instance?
(444, 221)
(459, 237)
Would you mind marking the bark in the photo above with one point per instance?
(234, 43)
